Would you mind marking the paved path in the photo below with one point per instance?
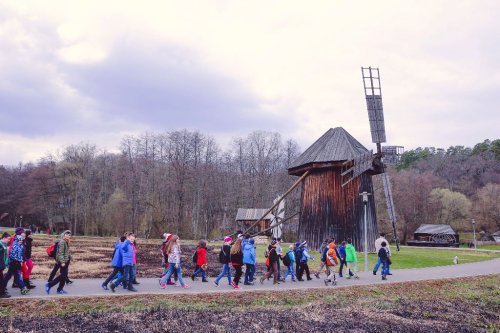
(92, 287)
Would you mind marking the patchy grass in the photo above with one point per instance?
(428, 306)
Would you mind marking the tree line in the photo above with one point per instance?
(183, 181)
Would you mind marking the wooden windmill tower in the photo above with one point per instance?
(339, 169)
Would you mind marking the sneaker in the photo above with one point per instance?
(204, 280)
(170, 283)
(104, 286)
(348, 277)
(185, 286)
(135, 282)
(177, 284)
(112, 287)
(60, 292)
(236, 286)
(316, 275)
(374, 273)
(309, 278)
(251, 283)
(192, 277)
(216, 283)
(25, 291)
(69, 281)
(276, 282)
(246, 284)
(261, 280)
(133, 289)
(326, 282)
(233, 284)
(163, 286)
(5, 295)
(47, 288)
(389, 273)
(384, 277)
(356, 277)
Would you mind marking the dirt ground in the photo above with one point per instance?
(428, 306)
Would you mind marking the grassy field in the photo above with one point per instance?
(452, 305)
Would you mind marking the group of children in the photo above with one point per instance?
(15, 256)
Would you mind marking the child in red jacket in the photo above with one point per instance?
(201, 261)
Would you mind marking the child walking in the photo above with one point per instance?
(290, 263)
(116, 263)
(273, 263)
(331, 262)
(303, 262)
(249, 260)
(383, 256)
(225, 259)
(174, 259)
(4, 262)
(351, 259)
(201, 261)
(237, 262)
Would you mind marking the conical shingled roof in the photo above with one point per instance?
(335, 145)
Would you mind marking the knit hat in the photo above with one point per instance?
(19, 230)
(273, 242)
(297, 244)
(227, 239)
(65, 232)
(167, 237)
(240, 235)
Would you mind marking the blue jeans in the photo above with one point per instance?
(249, 272)
(14, 271)
(171, 269)
(226, 270)
(126, 278)
(290, 271)
(377, 265)
(198, 271)
(385, 267)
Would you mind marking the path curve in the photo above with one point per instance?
(92, 287)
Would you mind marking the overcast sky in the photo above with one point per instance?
(94, 71)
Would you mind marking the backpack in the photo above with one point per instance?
(286, 260)
(222, 255)
(195, 255)
(298, 254)
(52, 249)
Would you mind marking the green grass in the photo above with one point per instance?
(406, 257)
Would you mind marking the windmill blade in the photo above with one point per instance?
(390, 205)
(356, 166)
(373, 95)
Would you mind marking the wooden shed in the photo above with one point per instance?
(327, 207)
(246, 217)
(441, 235)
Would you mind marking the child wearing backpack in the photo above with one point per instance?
(201, 261)
(303, 262)
(331, 261)
(225, 259)
(127, 254)
(27, 266)
(164, 259)
(289, 262)
(272, 263)
(383, 255)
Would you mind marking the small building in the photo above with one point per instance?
(246, 217)
(496, 236)
(436, 235)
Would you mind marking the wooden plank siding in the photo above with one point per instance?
(328, 209)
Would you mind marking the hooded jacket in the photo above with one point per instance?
(201, 257)
(17, 251)
(127, 252)
(117, 257)
(331, 255)
(249, 253)
(350, 253)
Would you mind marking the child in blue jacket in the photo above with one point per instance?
(249, 260)
(290, 269)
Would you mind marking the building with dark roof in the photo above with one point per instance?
(434, 235)
(246, 217)
(330, 205)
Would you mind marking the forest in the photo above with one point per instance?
(184, 182)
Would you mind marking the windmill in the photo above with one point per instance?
(384, 155)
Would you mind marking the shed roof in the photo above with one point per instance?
(251, 214)
(496, 233)
(435, 229)
(335, 145)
